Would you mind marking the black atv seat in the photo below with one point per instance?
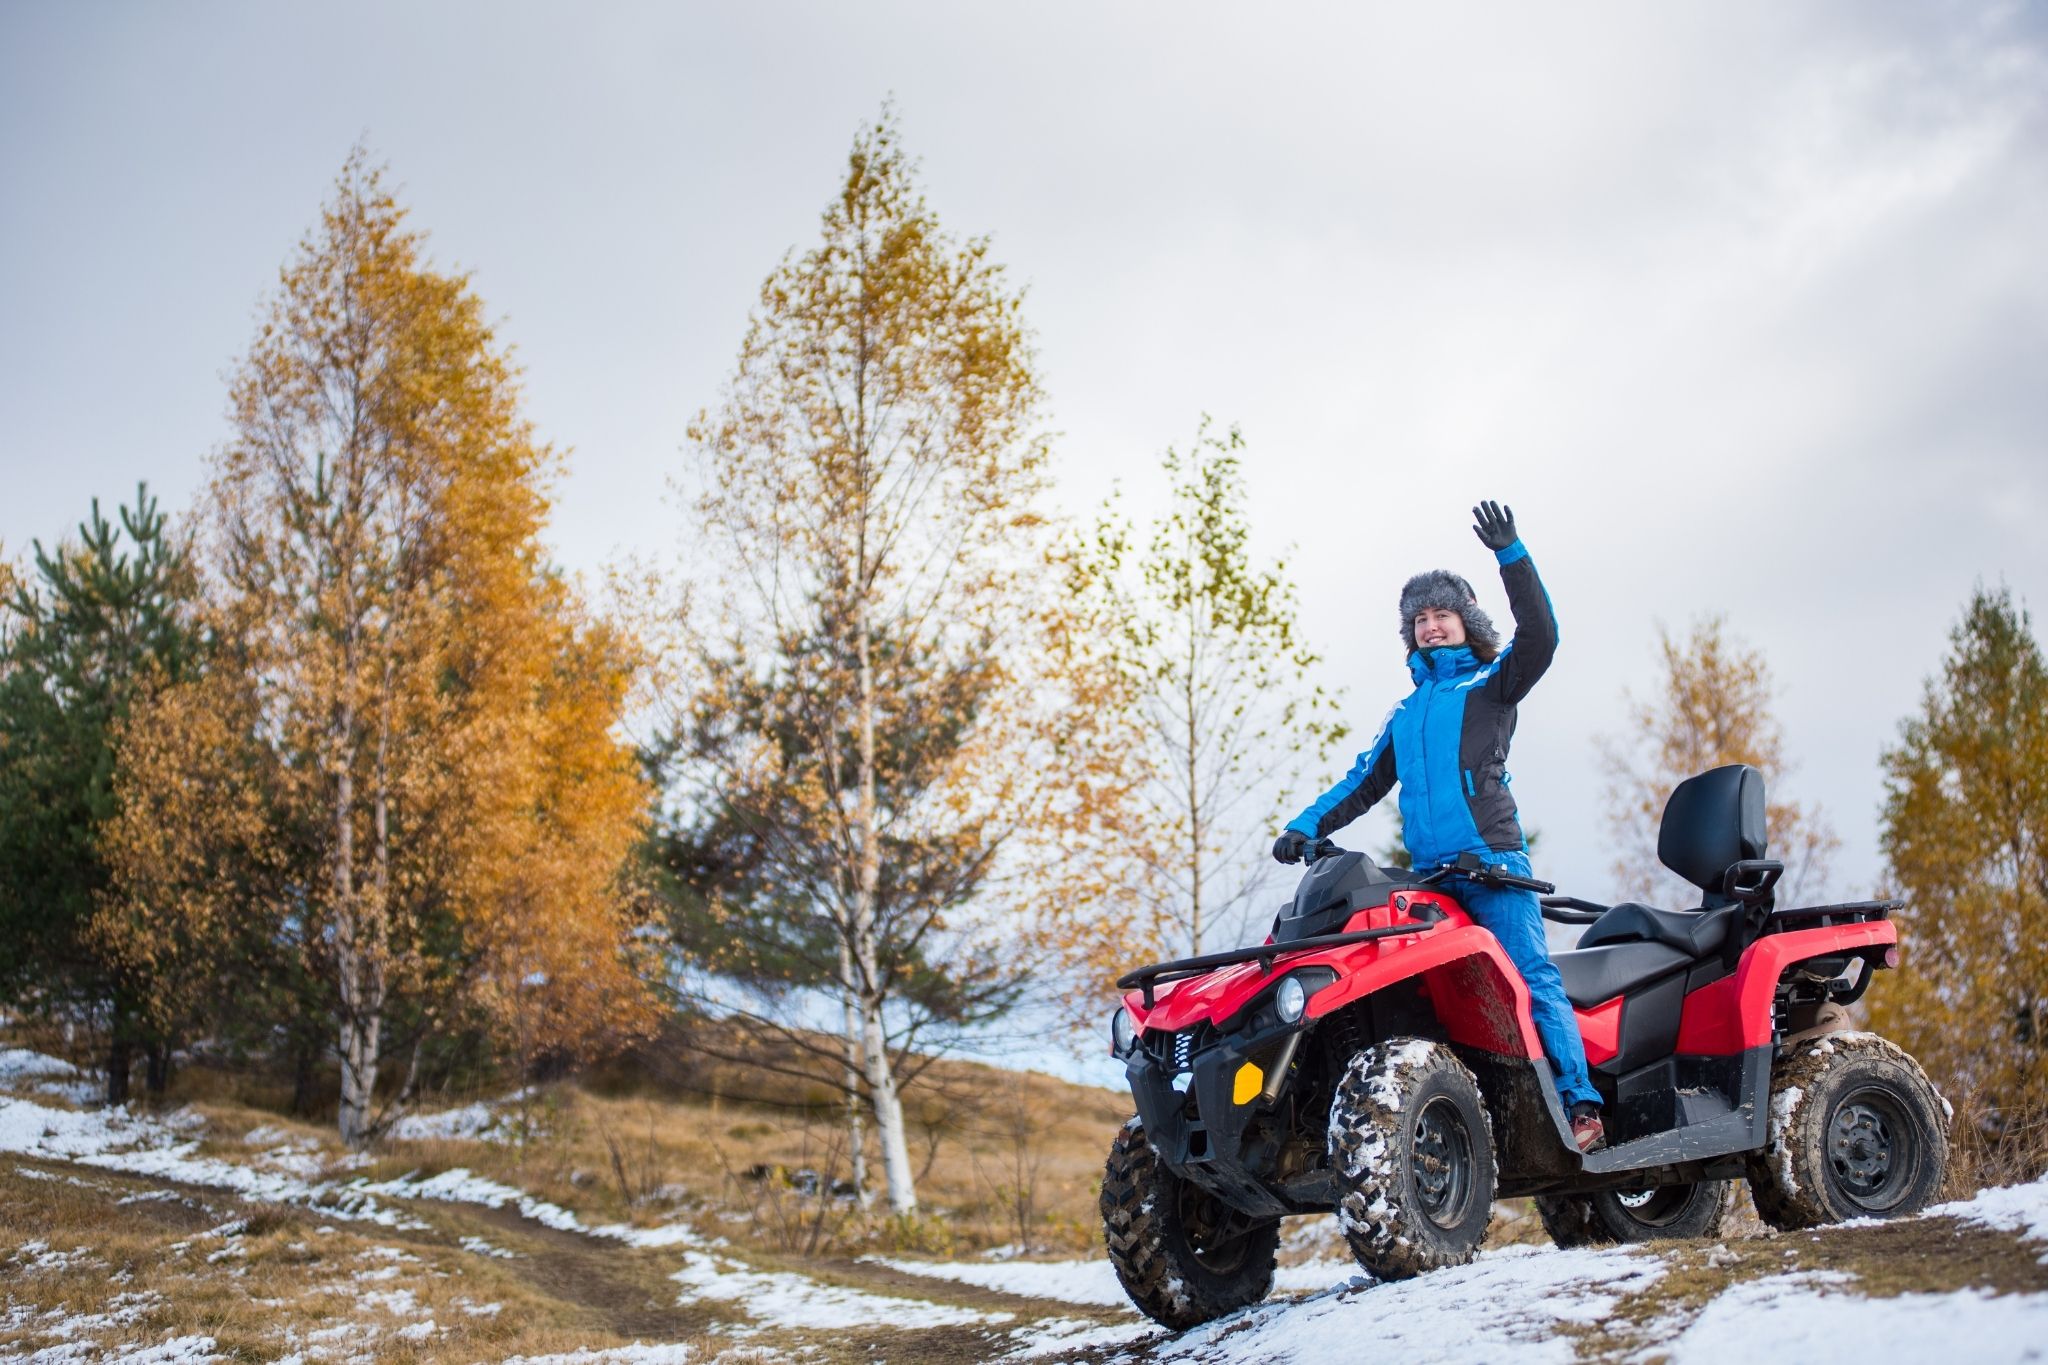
(1696, 933)
(1593, 975)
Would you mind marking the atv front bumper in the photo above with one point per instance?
(1188, 1097)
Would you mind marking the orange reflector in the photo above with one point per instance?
(1250, 1081)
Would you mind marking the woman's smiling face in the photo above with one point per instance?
(1437, 627)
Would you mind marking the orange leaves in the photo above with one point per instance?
(1711, 706)
(446, 809)
(1965, 835)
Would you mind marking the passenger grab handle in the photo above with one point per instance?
(1571, 910)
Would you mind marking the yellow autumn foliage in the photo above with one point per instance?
(443, 783)
(1712, 705)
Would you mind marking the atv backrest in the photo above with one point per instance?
(1712, 822)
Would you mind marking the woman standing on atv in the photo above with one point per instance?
(1447, 746)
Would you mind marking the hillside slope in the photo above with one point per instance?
(215, 1232)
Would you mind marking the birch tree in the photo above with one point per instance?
(1712, 705)
(1220, 684)
(442, 718)
(872, 480)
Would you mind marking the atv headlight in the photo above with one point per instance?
(1123, 1032)
(1290, 999)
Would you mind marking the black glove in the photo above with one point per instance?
(1289, 846)
(1496, 525)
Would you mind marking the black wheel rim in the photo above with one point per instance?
(1872, 1149)
(1657, 1208)
(1442, 1163)
(1216, 1234)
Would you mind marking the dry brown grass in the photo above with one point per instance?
(124, 1260)
(141, 1263)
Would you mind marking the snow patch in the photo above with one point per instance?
(114, 1139)
(2008, 1208)
(795, 1301)
(23, 1069)
(478, 1122)
(1788, 1317)
(480, 1247)
(636, 1354)
(1056, 1336)
(462, 1186)
(1093, 1282)
(1506, 1304)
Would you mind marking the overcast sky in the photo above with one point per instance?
(1742, 307)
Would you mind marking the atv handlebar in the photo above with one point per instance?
(1469, 865)
(1486, 874)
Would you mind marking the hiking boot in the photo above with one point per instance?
(1587, 1130)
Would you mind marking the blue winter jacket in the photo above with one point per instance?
(1447, 743)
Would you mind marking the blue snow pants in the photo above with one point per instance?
(1514, 917)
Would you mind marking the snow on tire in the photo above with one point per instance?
(1412, 1146)
(1181, 1254)
(1857, 1131)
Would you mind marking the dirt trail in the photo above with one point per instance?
(626, 1290)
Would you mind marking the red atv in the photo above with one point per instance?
(1376, 1057)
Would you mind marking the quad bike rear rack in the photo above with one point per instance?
(1843, 912)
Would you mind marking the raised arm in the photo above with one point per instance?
(1529, 654)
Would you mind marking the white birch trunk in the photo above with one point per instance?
(855, 1134)
(888, 1111)
(874, 1041)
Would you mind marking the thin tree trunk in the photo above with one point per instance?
(888, 1109)
(874, 1041)
(856, 1139)
(120, 1054)
(156, 1076)
(362, 1001)
(305, 1071)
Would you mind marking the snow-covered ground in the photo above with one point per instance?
(23, 1069)
(483, 1121)
(1821, 1318)
(1519, 1304)
(1093, 1282)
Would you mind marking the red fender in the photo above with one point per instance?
(1478, 995)
(1734, 1013)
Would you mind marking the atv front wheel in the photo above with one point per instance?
(1609, 1216)
(1412, 1147)
(1182, 1254)
(1857, 1131)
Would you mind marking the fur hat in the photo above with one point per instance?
(1442, 588)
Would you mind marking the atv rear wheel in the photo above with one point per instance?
(1412, 1147)
(1182, 1254)
(1857, 1131)
(1609, 1216)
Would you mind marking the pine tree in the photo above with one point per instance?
(1712, 706)
(105, 619)
(1965, 836)
(1219, 683)
(873, 478)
